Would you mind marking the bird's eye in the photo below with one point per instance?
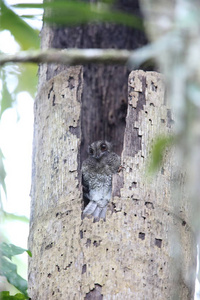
(91, 151)
(103, 147)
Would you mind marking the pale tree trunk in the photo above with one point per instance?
(145, 249)
(163, 245)
(132, 255)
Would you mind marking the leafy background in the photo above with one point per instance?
(17, 90)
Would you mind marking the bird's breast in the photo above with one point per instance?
(100, 186)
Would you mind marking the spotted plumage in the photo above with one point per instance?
(97, 171)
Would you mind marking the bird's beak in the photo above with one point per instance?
(97, 157)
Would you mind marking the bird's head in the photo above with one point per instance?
(99, 149)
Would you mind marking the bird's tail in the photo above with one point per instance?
(93, 209)
(103, 212)
(90, 208)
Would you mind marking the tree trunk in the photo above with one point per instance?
(161, 253)
(131, 255)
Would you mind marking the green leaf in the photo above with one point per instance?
(9, 270)
(32, 17)
(77, 12)
(158, 151)
(6, 296)
(29, 253)
(9, 250)
(24, 34)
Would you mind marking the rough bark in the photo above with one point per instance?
(131, 255)
(162, 252)
(56, 192)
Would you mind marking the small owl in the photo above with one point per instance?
(97, 171)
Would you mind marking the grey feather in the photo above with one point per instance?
(90, 208)
(97, 212)
(103, 213)
(97, 171)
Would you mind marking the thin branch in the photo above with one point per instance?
(73, 56)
